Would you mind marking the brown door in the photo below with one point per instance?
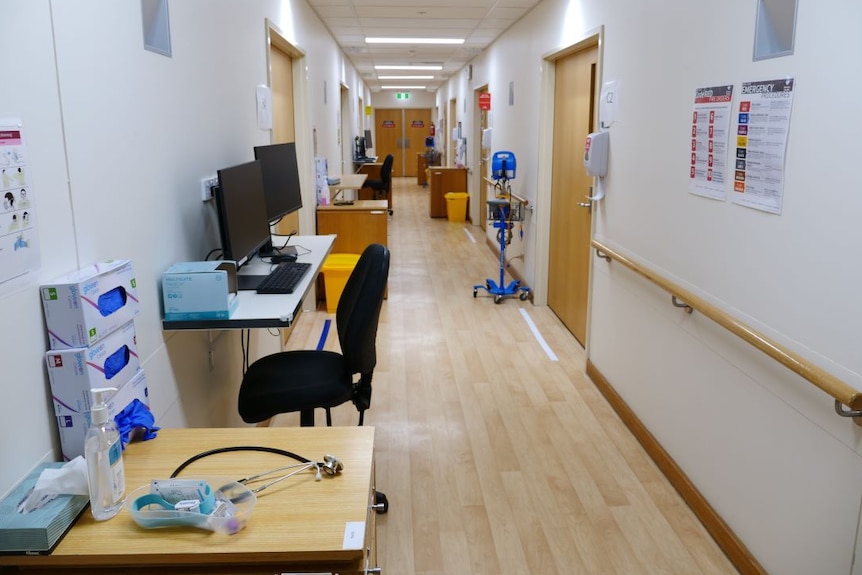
(571, 222)
(417, 125)
(283, 127)
(387, 137)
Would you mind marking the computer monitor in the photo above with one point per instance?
(280, 179)
(368, 142)
(241, 207)
(280, 188)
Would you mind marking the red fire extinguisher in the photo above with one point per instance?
(433, 129)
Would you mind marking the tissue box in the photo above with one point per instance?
(37, 532)
(200, 290)
(73, 423)
(110, 362)
(83, 307)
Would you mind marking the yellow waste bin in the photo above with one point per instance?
(456, 206)
(336, 269)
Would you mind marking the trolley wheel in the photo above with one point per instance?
(524, 296)
(475, 291)
(498, 298)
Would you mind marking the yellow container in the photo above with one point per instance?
(456, 206)
(336, 269)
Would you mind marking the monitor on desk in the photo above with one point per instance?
(241, 206)
(281, 187)
(368, 143)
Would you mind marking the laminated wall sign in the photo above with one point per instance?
(19, 252)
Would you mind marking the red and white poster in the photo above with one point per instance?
(708, 173)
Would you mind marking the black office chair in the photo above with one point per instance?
(303, 380)
(383, 187)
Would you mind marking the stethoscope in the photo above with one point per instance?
(330, 466)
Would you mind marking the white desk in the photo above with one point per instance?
(269, 310)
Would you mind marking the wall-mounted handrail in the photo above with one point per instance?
(836, 388)
(493, 183)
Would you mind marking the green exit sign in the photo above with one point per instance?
(402, 95)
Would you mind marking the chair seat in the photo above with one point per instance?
(294, 381)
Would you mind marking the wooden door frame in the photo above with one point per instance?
(594, 37)
(274, 37)
(480, 171)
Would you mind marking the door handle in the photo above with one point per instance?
(585, 204)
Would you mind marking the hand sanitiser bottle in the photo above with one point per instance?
(104, 454)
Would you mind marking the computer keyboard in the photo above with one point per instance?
(284, 278)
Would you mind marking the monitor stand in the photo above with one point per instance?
(277, 255)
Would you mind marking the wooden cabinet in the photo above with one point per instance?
(355, 227)
(440, 182)
(421, 166)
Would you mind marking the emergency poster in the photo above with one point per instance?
(762, 127)
(18, 251)
(710, 120)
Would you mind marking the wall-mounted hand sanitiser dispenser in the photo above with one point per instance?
(596, 154)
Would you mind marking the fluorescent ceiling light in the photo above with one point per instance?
(405, 77)
(402, 87)
(409, 67)
(414, 40)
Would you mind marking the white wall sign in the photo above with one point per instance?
(18, 251)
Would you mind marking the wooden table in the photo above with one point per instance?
(298, 525)
(348, 182)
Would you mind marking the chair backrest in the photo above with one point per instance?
(358, 309)
(386, 169)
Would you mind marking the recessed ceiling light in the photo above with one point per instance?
(409, 67)
(402, 87)
(405, 77)
(414, 40)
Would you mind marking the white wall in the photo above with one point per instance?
(763, 445)
(136, 132)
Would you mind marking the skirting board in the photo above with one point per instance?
(726, 539)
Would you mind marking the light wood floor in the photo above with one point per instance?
(496, 459)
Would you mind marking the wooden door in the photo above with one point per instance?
(571, 223)
(417, 125)
(484, 161)
(387, 137)
(451, 145)
(283, 126)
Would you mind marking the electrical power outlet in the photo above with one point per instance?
(207, 185)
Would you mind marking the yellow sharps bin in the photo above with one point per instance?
(336, 269)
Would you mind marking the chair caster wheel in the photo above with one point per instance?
(498, 298)
(475, 292)
(381, 503)
(524, 295)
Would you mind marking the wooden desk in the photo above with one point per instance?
(348, 182)
(372, 170)
(355, 226)
(440, 182)
(297, 525)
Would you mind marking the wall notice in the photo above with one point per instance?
(18, 251)
(762, 126)
(708, 173)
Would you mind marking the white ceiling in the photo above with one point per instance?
(479, 22)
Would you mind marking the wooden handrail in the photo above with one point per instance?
(493, 183)
(836, 388)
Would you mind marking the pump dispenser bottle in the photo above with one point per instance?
(104, 454)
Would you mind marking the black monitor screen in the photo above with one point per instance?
(242, 211)
(280, 179)
(368, 142)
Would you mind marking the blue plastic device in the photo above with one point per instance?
(503, 166)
